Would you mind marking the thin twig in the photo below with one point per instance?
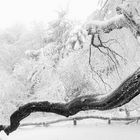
(94, 70)
(109, 51)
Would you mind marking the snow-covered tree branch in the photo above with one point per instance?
(127, 16)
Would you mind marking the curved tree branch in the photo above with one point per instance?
(129, 89)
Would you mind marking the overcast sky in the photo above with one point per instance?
(29, 11)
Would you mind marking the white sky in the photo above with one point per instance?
(28, 11)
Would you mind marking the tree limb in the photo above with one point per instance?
(129, 89)
(117, 22)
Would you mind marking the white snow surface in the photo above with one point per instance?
(84, 130)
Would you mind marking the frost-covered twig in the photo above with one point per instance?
(112, 55)
(92, 69)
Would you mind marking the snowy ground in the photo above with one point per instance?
(85, 130)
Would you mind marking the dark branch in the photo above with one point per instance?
(111, 54)
(92, 69)
(129, 89)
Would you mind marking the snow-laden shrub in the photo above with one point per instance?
(74, 74)
(12, 93)
(40, 79)
(59, 29)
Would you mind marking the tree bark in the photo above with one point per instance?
(129, 89)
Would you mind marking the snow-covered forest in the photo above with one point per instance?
(66, 59)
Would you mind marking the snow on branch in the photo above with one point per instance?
(128, 16)
(107, 26)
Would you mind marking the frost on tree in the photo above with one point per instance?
(98, 56)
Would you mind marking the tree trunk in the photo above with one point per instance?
(129, 89)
